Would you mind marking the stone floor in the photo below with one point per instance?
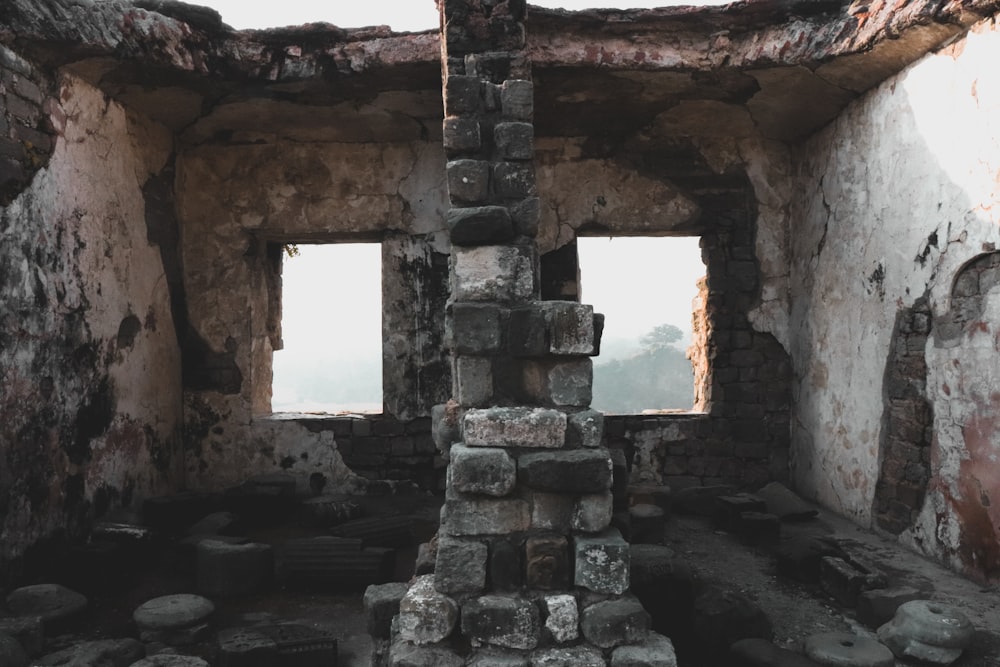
(796, 610)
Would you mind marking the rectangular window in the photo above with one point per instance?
(647, 289)
(332, 330)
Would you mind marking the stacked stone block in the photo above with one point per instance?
(528, 569)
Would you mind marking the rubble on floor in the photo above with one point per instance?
(720, 599)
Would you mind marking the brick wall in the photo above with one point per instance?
(26, 134)
(385, 450)
(740, 434)
(909, 420)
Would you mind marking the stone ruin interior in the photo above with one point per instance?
(832, 497)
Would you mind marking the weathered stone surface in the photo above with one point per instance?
(491, 657)
(877, 607)
(226, 570)
(511, 622)
(503, 274)
(655, 650)
(461, 566)
(515, 141)
(425, 615)
(473, 381)
(171, 612)
(927, 631)
(614, 622)
(571, 327)
(482, 470)
(585, 429)
(381, 603)
(800, 557)
(575, 471)
(517, 99)
(426, 557)
(506, 566)
(602, 562)
(514, 180)
(528, 332)
(216, 523)
(169, 660)
(762, 653)
(844, 648)
(515, 427)
(27, 630)
(562, 328)
(481, 225)
(562, 617)
(174, 619)
(785, 503)
(408, 654)
(729, 508)
(446, 425)
(546, 562)
(559, 383)
(475, 328)
(463, 94)
(575, 656)
(55, 604)
(592, 512)
(12, 654)
(485, 516)
(552, 511)
(246, 646)
(844, 580)
(525, 214)
(468, 181)
(462, 135)
(101, 653)
(722, 617)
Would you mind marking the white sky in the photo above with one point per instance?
(639, 283)
(402, 15)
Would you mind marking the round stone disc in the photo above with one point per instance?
(51, 602)
(933, 623)
(173, 612)
(842, 649)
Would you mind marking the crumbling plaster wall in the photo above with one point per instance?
(893, 199)
(743, 437)
(234, 198)
(90, 387)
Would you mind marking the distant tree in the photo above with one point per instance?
(659, 376)
(661, 336)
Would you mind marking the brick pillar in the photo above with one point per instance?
(528, 570)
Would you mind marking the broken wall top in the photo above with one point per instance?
(781, 68)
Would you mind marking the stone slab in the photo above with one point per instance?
(515, 427)
(602, 562)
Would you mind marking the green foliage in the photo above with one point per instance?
(291, 250)
(659, 376)
(662, 335)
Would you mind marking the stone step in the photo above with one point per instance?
(332, 563)
(388, 531)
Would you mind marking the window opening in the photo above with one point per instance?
(331, 330)
(648, 290)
